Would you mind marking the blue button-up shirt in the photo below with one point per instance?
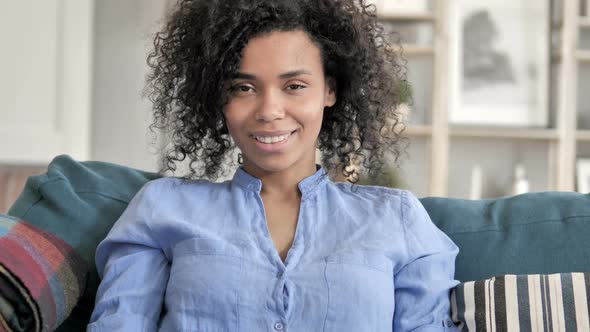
(198, 256)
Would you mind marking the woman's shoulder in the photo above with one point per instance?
(371, 196)
(397, 198)
(370, 191)
(174, 187)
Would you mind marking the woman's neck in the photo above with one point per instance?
(282, 183)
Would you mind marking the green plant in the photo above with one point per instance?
(404, 90)
(387, 178)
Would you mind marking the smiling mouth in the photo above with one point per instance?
(272, 139)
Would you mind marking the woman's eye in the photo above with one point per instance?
(296, 86)
(241, 88)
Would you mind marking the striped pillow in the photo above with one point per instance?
(555, 302)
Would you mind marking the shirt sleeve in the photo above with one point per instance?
(134, 272)
(423, 284)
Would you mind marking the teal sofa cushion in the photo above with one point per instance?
(79, 202)
(534, 233)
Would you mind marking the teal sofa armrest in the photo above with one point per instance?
(78, 202)
(533, 233)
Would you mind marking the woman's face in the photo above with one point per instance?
(277, 102)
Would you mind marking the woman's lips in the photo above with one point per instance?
(273, 141)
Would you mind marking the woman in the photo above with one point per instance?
(279, 247)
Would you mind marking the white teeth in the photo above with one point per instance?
(271, 140)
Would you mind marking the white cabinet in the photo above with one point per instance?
(45, 79)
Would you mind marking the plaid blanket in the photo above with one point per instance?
(41, 277)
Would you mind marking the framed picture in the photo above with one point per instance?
(401, 7)
(583, 175)
(410, 33)
(499, 62)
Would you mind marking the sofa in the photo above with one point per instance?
(533, 245)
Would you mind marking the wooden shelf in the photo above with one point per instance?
(583, 56)
(426, 17)
(583, 135)
(409, 49)
(504, 132)
(418, 130)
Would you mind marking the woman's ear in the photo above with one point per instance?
(330, 97)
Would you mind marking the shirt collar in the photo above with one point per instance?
(307, 186)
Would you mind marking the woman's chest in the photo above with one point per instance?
(217, 285)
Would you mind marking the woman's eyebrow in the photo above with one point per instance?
(289, 74)
(244, 76)
(294, 73)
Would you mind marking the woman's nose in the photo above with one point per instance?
(270, 108)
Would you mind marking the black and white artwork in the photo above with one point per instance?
(499, 62)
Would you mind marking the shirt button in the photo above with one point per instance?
(279, 326)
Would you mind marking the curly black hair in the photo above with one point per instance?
(200, 47)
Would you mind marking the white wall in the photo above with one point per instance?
(123, 30)
(45, 76)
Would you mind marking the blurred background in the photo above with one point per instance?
(500, 103)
